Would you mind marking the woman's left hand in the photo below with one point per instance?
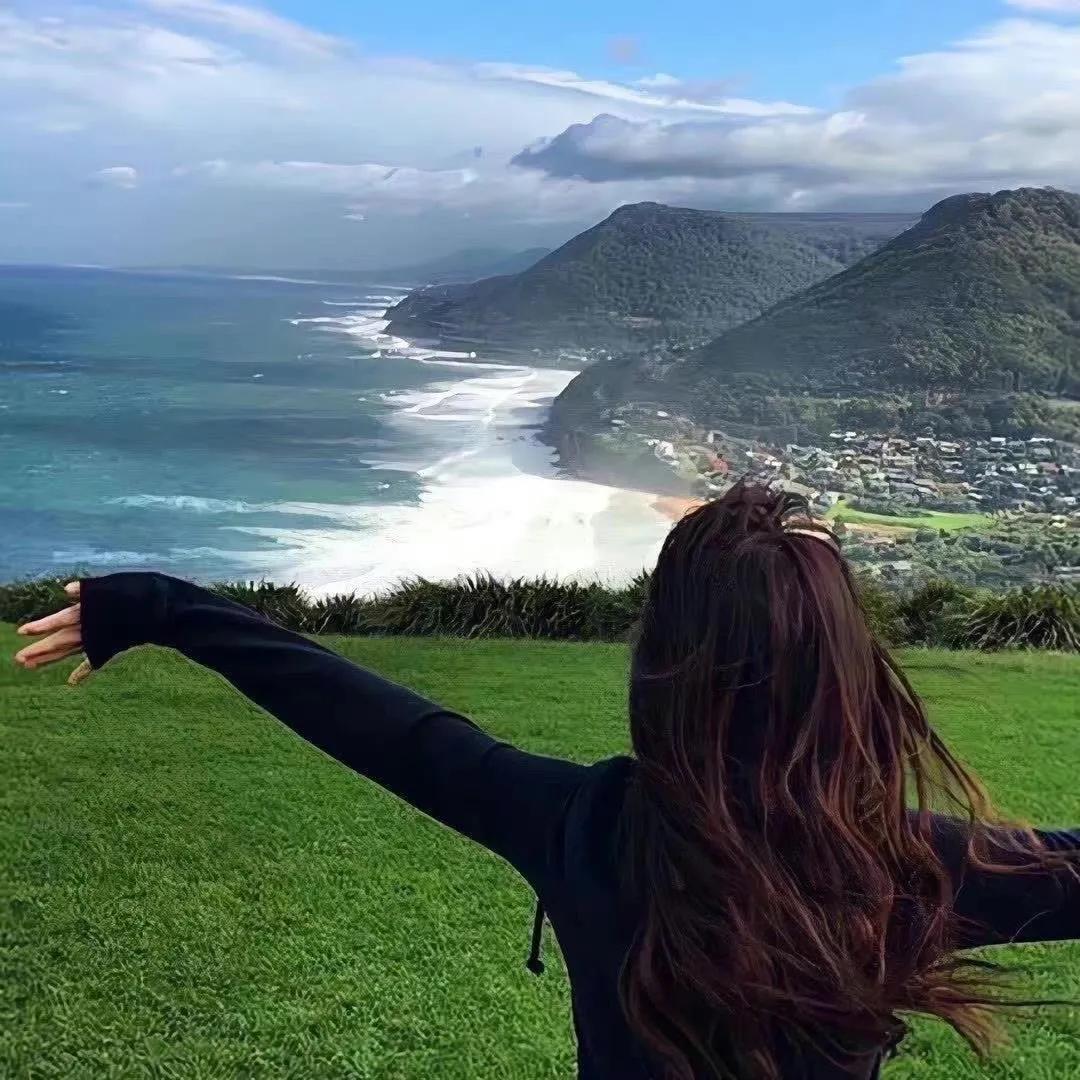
(64, 630)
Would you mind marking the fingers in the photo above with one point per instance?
(69, 616)
(83, 671)
(52, 648)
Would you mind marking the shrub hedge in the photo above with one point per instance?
(937, 614)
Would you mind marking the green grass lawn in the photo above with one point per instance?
(189, 891)
(919, 519)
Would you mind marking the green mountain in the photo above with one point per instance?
(646, 275)
(983, 292)
(968, 322)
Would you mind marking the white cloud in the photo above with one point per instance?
(238, 117)
(1068, 7)
(249, 21)
(660, 79)
(999, 109)
(370, 189)
(124, 177)
(93, 67)
(183, 82)
(13, 205)
(406, 186)
(674, 99)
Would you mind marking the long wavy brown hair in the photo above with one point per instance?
(779, 819)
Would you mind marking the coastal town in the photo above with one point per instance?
(1037, 474)
(995, 510)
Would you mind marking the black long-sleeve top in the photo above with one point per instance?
(553, 820)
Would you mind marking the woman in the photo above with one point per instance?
(763, 886)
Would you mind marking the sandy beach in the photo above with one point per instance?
(674, 507)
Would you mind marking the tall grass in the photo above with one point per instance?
(934, 615)
(938, 614)
(1033, 617)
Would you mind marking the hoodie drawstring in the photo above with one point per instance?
(535, 964)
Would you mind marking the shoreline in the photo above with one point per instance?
(674, 507)
(494, 500)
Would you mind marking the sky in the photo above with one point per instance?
(340, 134)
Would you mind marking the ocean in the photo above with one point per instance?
(242, 427)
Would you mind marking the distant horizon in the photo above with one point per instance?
(450, 254)
(492, 252)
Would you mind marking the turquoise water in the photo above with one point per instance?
(223, 428)
(151, 420)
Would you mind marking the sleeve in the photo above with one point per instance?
(432, 757)
(1025, 905)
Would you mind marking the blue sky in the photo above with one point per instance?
(327, 133)
(776, 48)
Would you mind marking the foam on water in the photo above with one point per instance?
(278, 278)
(96, 557)
(361, 305)
(491, 501)
(195, 503)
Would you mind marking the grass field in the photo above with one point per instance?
(922, 519)
(189, 891)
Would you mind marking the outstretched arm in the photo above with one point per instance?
(1026, 904)
(432, 757)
